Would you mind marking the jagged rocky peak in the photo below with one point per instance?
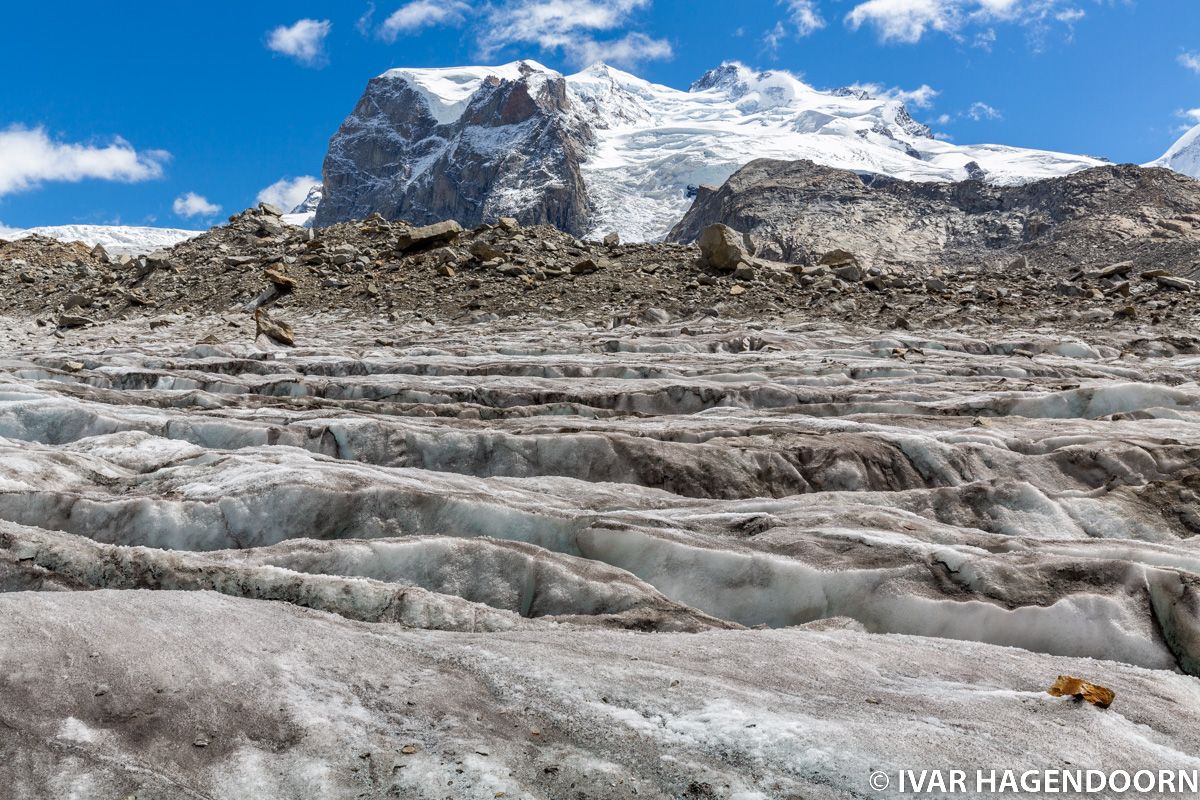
(857, 92)
(311, 200)
(471, 144)
(728, 76)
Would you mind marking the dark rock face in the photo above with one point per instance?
(797, 210)
(516, 145)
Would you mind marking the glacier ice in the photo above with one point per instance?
(681, 558)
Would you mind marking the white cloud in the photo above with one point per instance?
(981, 111)
(7, 232)
(303, 41)
(921, 97)
(421, 14)
(1190, 61)
(976, 112)
(774, 37)
(287, 193)
(1190, 117)
(907, 21)
(803, 19)
(194, 205)
(985, 39)
(632, 48)
(29, 157)
(804, 16)
(570, 27)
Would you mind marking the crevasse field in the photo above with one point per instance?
(517, 560)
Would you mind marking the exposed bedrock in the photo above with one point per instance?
(799, 211)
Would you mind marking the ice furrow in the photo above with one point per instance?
(1037, 491)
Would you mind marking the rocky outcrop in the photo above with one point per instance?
(797, 211)
(515, 149)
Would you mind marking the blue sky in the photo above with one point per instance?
(178, 114)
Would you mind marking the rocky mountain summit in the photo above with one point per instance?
(512, 145)
(603, 150)
(797, 211)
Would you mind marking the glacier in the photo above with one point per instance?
(512, 556)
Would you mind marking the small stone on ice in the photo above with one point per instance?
(1080, 689)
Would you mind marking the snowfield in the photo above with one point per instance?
(508, 559)
(655, 141)
(116, 239)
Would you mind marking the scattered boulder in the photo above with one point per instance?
(1173, 282)
(485, 250)
(838, 258)
(270, 226)
(275, 330)
(586, 267)
(723, 248)
(66, 321)
(283, 283)
(843, 264)
(429, 235)
(77, 301)
(1113, 270)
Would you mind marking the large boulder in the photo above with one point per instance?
(429, 235)
(724, 248)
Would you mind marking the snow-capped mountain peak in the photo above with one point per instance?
(311, 200)
(447, 91)
(1184, 155)
(604, 150)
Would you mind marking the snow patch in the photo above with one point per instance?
(115, 239)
